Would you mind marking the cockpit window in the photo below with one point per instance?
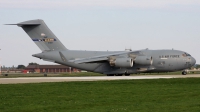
(186, 54)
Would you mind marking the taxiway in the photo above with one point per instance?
(91, 78)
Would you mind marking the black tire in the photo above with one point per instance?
(118, 74)
(127, 74)
(184, 73)
(110, 74)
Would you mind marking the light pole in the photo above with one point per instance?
(70, 70)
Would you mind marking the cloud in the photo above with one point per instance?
(76, 4)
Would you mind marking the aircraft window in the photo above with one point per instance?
(186, 54)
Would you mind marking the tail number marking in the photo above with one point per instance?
(45, 40)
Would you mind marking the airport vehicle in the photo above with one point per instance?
(106, 62)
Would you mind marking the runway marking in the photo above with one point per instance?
(91, 78)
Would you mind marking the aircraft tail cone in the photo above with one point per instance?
(37, 55)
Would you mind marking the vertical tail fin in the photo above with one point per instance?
(41, 35)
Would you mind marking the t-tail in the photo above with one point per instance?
(41, 35)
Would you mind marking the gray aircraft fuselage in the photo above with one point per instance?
(163, 61)
(105, 62)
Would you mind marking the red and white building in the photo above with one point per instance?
(50, 69)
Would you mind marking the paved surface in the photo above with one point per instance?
(93, 78)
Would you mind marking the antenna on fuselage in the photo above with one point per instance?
(128, 49)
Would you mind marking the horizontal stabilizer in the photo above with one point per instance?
(10, 24)
(28, 23)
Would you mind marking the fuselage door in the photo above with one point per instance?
(186, 60)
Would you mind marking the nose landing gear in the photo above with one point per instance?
(184, 72)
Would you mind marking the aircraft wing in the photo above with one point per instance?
(101, 57)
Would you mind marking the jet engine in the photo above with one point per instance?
(143, 60)
(122, 62)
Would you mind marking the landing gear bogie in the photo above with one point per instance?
(118, 74)
(110, 74)
(127, 74)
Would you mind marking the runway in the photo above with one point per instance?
(90, 78)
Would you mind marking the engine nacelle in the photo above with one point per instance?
(144, 60)
(122, 62)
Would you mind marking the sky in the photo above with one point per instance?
(101, 25)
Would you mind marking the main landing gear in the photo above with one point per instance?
(118, 74)
(127, 74)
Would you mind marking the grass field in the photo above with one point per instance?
(155, 95)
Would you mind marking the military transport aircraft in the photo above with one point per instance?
(110, 63)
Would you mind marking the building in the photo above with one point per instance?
(50, 69)
(11, 70)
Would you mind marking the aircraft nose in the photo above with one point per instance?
(193, 61)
